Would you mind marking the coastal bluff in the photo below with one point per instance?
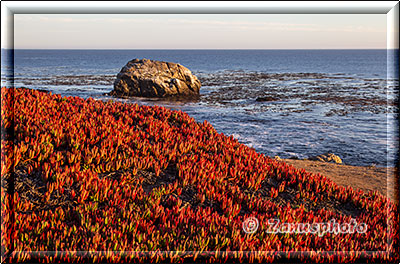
(151, 78)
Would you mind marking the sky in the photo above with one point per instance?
(200, 31)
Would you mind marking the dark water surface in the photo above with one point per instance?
(281, 102)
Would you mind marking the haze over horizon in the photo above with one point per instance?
(199, 31)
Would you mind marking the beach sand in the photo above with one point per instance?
(384, 180)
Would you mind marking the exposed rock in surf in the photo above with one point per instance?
(148, 78)
(266, 99)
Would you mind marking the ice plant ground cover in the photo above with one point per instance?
(121, 182)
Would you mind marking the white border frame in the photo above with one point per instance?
(391, 8)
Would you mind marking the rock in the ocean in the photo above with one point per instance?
(266, 99)
(149, 78)
(327, 157)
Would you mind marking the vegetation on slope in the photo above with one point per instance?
(114, 182)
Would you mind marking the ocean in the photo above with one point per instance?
(289, 103)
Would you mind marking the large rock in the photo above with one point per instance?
(150, 78)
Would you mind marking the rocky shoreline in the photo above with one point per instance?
(270, 91)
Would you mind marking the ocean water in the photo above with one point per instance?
(290, 103)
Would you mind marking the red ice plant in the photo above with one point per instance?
(73, 145)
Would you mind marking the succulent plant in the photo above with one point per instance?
(120, 182)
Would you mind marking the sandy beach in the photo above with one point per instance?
(366, 178)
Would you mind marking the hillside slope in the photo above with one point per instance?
(107, 176)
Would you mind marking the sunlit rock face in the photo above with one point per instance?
(149, 78)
